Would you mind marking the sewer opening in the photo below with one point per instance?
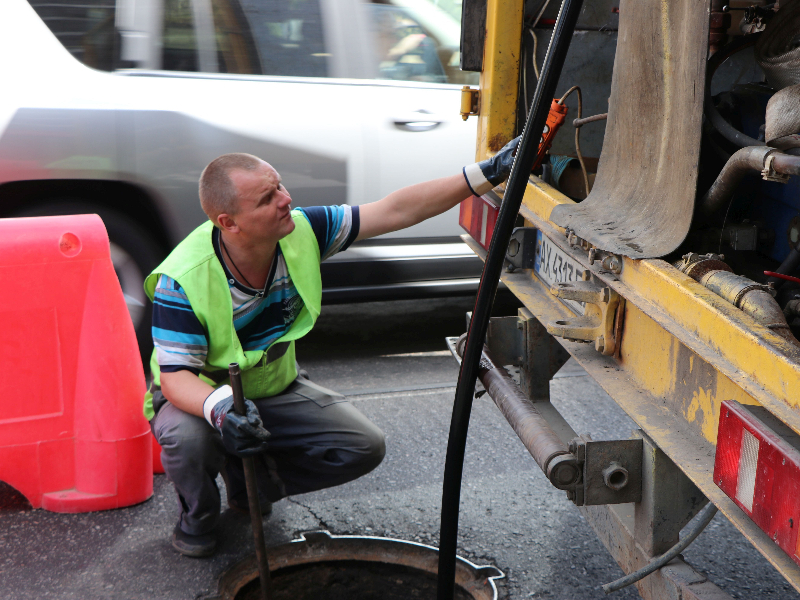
(321, 566)
(349, 580)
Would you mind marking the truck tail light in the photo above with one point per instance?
(758, 466)
(477, 216)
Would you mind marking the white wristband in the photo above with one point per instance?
(214, 398)
(476, 180)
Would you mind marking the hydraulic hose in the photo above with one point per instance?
(728, 131)
(515, 188)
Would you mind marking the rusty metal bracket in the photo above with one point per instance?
(521, 252)
(506, 341)
(612, 471)
(597, 323)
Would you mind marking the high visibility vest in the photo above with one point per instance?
(195, 266)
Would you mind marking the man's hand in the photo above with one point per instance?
(241, 435)
(483, 176)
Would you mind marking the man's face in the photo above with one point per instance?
(264, 212)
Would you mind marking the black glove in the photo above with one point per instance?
(483, 176)
(241, 435)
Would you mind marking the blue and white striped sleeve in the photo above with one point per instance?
(179, 338)
(336, 227)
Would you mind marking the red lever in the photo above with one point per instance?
(782, 276)
(555, 118)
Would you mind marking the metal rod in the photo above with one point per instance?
(592, 119)
(532, 428)
(701, 521)
(527, 152)
(248, 462)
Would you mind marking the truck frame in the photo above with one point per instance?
(665, 347)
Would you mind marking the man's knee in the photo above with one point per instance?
(366, 453)
(376, 448)
(185, 437)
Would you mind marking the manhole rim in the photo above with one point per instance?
(322, 546)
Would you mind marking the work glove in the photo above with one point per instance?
(483, 176)
(242, 435)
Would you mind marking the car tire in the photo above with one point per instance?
(134, 254)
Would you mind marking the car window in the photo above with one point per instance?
(273, 37)
(179, 42)
(84, 27)
(417, 40)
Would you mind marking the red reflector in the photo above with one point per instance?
(478, 216)
(758, 466)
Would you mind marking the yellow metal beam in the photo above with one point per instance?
(497, 118)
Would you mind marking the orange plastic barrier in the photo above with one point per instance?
(72, 434)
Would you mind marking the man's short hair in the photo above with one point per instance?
(217, 192)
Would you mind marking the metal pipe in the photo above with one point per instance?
(252, 490)
(752, 298)
(527, 152)
(744, 161)
(701, 522)
(527, 422)
(786, 164)
(592, 119)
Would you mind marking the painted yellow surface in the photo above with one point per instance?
(662, 365)
(497, 117)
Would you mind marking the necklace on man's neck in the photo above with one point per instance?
(230, 258)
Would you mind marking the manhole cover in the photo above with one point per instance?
(319, 566)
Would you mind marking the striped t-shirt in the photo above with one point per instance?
(259, 316)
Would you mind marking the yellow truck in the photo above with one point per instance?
(665, 262)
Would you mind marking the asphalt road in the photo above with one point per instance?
(390, 358)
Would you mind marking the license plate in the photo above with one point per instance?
(553, 265)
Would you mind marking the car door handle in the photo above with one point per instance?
(416, 124)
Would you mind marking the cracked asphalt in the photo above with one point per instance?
(389, 358)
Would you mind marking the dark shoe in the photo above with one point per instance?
(243, 506)
(196, 546)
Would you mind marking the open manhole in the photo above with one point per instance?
(319, 566)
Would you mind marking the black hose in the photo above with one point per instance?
(515, 188)
(728, 131)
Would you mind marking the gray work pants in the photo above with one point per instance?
(318, 440)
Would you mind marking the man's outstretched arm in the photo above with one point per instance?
(411, 205)
(415, 203)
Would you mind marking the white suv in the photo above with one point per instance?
(115, 107)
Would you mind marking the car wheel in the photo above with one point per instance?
(134, 254)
